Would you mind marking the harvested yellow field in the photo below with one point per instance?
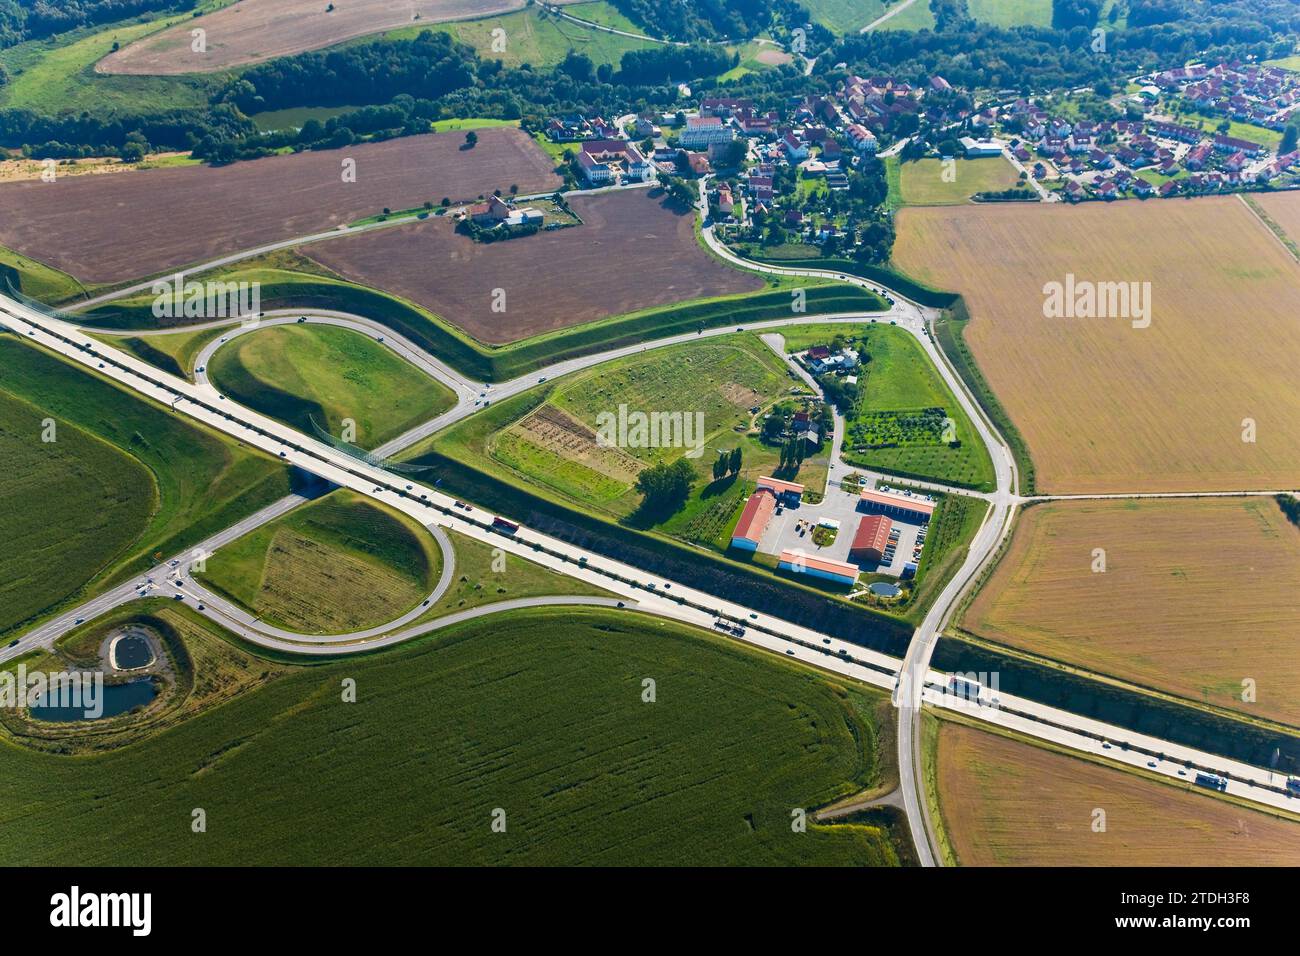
(1283, 209)
(1105, 406)
(1197, 596)
(1006, 803)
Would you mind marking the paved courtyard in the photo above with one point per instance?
(783, 531)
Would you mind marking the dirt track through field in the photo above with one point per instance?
(105, 229)
(252, 31)
(631, 252)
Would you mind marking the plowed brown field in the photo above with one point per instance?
(1104, 406)
(136, 224)
(251, 31)
(631, 252)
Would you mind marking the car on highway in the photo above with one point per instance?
(14, 642)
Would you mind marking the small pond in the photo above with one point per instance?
(118, 699)
(130, 651)
(885, 589)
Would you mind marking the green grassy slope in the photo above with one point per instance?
(297, 373)
(339, 564)
(201, 482)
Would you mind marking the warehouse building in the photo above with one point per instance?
(753, 520)
(871, 539)
(797, 562)
(788, 492)
(907, 507)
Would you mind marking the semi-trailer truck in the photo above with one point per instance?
(1211, 780)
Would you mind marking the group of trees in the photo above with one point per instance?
(36, 19)
(665, 488)
(1159, 34)
(76, 135)
(727, 463)
(428, 66)
(719, 19)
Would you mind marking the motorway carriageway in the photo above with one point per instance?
(667, 599)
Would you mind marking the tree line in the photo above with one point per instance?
(37, 19)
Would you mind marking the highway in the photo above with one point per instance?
(911, 680)
(634, 588)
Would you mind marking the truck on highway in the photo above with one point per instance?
(1211, 780)
(965, 687)
(501, 524)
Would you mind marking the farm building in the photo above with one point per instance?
(797, 562)
(788, 492)
(908, 507)
(753, 520)
(871, 539)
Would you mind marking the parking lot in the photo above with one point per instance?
(783, 531)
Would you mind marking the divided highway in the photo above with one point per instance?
(633, 587)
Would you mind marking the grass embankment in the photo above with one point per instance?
(340, 564)
(34, 278)
(174, 353)
(488, 575)
(122, 481)
(58, 75)
(545, 709)
(300, 374)
(291, 289)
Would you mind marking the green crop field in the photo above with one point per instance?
(541, 40)
(340, 564)
(538, 715)
(173, 352)
(895, 386)
(302, 374)
(922, 183)
(549, 438)
(103, 498)
(845, 16)
(1012, 13)
(170, 482)
(58, 75)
